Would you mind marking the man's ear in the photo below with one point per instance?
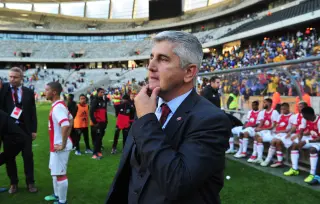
(190, 73)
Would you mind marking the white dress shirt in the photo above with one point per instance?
(19, 90)
(173, 105)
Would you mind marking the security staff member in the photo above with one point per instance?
(232, 102)
(99, 119)
(211, 91)
(19, 103)
(123, 113)
(81, 121)
(116, 99)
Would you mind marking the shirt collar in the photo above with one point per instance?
(174, 103)
(56, 102)
(18, 88)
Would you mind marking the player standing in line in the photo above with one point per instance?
(283, 126)
(123, 113)
(245, 131)
(311, 142)
(267, 119)
(99, 119)
(60, 126)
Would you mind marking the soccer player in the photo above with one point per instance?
(245, 131)
(123, 112)
(283, 126)
(81, 121)
(308, 138)
(267, 119)
(99, 119)
(60, 126)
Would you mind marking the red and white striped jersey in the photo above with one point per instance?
(59, 117)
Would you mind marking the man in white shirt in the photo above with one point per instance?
(60, 126)
(283, 126)
(244, 132)
(267, 119)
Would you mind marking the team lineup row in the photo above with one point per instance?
(286, 130)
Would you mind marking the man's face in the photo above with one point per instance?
(49, 93)
(215, 84)
(69, 98)
(300, 107)
(266, 104)
(285, 110)
(132, 97)
(164, 68)
(101, 93)
(15, 78)
(82, 100)
(255, 107)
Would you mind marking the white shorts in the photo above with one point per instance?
(266, 135)
(236, 131)
(58, 163)
(286, 141)
(250, 131)
(309, 145)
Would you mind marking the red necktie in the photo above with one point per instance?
(15, 95)
(165, 111)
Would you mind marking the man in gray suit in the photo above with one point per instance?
(175, 149)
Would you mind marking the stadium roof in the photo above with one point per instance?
(107, 9)
(40, 1)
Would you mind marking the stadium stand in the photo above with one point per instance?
(302, 8)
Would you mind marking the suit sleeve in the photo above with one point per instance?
(93, 107)
(179, 172)
(10, 133)
(34, 115)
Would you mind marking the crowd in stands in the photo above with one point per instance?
(271, 49)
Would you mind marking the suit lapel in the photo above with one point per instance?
(180, 115)
(23, 94)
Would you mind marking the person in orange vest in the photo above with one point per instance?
(124, 112)
(305, 97)
(276, 100)
(81, 122)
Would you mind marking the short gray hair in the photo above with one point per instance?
(18, 70)
(188, 48)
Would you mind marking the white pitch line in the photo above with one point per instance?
(112, 140)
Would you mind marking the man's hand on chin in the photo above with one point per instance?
(144, 103)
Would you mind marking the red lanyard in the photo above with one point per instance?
(12, 94)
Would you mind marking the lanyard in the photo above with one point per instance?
(12, 94)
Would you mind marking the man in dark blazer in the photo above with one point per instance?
(12, 138)
(18, 102)
(175, 151)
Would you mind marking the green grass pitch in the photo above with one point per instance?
(89, 180)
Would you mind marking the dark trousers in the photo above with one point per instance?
(79, 132)
(10, 151)
(97, 136)
(28, 163)
(73, 136)
(125, 132)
